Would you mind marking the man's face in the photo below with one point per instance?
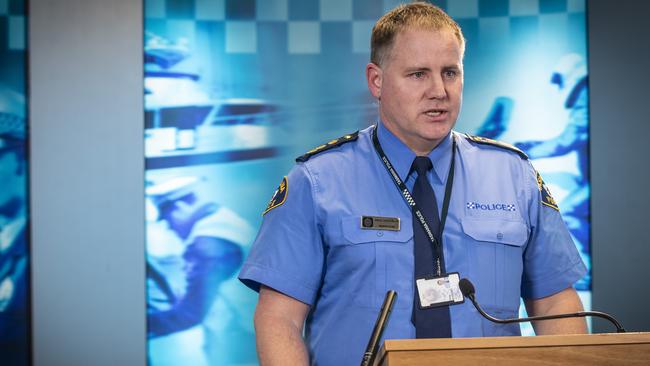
(419, 87)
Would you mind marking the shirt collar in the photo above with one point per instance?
(401, 156)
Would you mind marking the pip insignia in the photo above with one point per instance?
(279, 196)
(487, 141)
(330, 145)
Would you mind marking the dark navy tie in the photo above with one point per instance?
(432, 322)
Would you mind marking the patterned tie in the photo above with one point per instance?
(432, 322)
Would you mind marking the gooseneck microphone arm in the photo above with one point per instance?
(467, 289)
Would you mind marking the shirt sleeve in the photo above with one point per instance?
(287, 254)
(552, 262)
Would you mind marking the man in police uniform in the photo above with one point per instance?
(338, 233)
(183, 292)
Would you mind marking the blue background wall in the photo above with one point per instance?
(87, 170)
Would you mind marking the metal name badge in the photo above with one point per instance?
(439, 291)
(380, 223)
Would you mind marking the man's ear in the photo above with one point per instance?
(374, 78)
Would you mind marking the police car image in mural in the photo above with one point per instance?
(185, 122)
(195, 247)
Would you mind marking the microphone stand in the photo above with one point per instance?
(380, 324)
(619, 327)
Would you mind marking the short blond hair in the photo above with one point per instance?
(417, 15)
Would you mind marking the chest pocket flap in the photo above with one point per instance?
(497, 231)
(354, 234)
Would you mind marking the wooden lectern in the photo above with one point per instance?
(591, 349)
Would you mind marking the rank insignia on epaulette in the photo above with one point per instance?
(547, 199)
(279, 196)
(330, 145)
(487, 141)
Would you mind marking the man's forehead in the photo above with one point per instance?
(413, 43)
(434, 31)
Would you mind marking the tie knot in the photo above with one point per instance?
(421, 164)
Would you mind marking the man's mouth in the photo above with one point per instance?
(434, 112)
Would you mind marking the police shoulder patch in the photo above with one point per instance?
(547, 199)
(279, 196)
(487, 141)
(330, 145)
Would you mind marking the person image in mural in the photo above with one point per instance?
(182, 291)
(570, 78)
(340, 230)
(13, 223)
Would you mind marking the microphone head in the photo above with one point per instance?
(466, 287)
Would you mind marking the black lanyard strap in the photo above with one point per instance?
(410, 202)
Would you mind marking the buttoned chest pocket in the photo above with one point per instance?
(370, 262)
(496, 260)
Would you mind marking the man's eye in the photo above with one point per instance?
(418, 74)
(451, 74)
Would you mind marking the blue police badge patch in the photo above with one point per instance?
(547, 199)
(279, 196)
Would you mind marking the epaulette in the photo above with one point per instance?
(330, 145)
(487, 141)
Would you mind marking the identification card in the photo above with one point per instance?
(439, 291)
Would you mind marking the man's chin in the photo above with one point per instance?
(436, 135)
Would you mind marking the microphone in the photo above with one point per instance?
(380, 324)
(467, 288)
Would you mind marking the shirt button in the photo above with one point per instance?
(500, 236)
(380, 234)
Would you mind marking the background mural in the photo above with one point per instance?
(235, 90)
(14, 259)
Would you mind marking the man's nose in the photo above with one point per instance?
(436, 88)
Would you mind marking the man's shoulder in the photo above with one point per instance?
(489, 144)
(333, 149)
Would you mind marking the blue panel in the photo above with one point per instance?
(156, 26)
(17, 7)
(240, 9)
(210, 40)
(303, 10)
(552, 6)
(4, 33)
(272, 38)
(336, 38)
(366, 9)
(272, 49)
(14, 253)
(442, 4)
(578, 28)
(493, 8)
(180, 9)
(470, 31)
(523, 29)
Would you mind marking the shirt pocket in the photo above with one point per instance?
(376, 261)
(354, 234)
(496, 249)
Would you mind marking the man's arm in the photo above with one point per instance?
(565, 301)
(279, 321)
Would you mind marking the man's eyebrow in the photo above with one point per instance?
(451, 67)
(417, 68)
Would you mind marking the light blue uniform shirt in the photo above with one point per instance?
(498, 234)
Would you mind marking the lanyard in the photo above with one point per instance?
(408, 199)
